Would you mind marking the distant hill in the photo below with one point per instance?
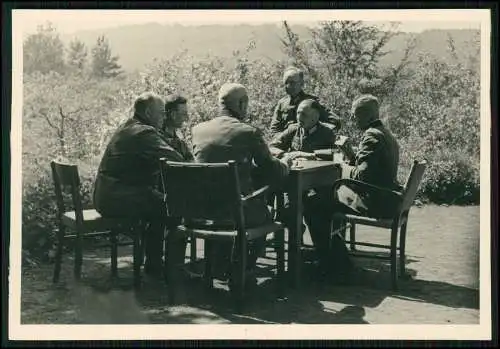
(138, 45)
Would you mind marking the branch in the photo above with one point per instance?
(46, 117)
(77, 111)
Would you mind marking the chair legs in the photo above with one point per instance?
(238, 274)
(193, 247)
(402, 251)
(280, 261)
(114, 253)
(352, 237)
(394, 255)
(137, 252)
(207, 274)
(173, 263)
(59, 252)
(78, 254)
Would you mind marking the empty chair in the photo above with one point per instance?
(88, 223)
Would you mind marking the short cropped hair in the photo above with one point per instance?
(172, 101)
(294, 69)
(366, 104)
(143, 101)
(230, 93)
(313, 103)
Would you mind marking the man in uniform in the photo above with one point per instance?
(285, 112)
(128, 175)
(175, 116)
(300, 140)
(227, 137)
(376, 163)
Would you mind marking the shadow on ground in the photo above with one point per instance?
(100, 300)
(439, 267)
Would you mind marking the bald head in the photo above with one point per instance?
(293, 80)
(308, 113)
(365, 110)
(234, 98)
(150, 109)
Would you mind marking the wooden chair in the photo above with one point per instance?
(89, 223)
(399, 219)
(207, 196)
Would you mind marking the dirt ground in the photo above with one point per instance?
(443, 262)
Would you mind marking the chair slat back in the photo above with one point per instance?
(67, 179)
(203, 191)
(412, 184)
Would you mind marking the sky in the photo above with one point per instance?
(70, 21)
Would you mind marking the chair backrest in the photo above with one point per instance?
(200, 192)
(412, 184)
(67, 179)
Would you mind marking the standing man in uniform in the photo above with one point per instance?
(285, 112)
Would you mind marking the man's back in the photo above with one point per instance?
(129, 170)
(226, 138)
(377, 159)
(221, 139)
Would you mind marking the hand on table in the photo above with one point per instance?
(301, 155)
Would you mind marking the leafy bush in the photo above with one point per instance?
(452, 179)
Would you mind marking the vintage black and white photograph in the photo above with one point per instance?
(219, 168)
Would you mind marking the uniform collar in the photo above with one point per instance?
(227, 113)
(311, 130)
(298, 97)
(375, 123)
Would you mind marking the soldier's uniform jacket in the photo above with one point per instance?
(377, 161)
(285, 113)
(321, 136)
(128, 175)
(179, 145)
(226, 138)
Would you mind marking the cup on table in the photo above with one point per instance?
(298, 163)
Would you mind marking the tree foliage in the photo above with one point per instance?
(341, 61)
(77, 55)
(431, 105)
(104, 64)
(43, 51)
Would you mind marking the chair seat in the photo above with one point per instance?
(92, 220)
(252, 233)
(374, 222)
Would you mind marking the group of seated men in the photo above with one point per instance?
(128, 175)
